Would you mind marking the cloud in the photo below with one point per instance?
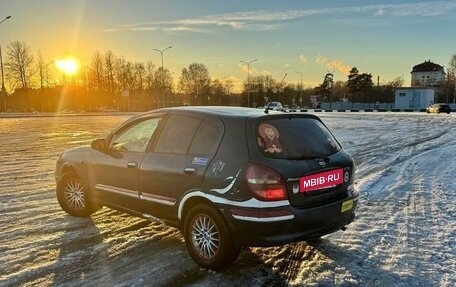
(379, 12)
(339, 66)
(321, 60)
(336, 65)
(258, 20)
(303, 59)
(246, 68)
(287, 66)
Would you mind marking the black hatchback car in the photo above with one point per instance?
(225, 176)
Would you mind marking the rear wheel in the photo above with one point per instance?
(207, 237)
(72, 196)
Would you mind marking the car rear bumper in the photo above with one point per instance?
(278, 226)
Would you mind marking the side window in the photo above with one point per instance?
(205, 139)
(177, 135)
(136, 137)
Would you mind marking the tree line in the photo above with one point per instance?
(113, 81)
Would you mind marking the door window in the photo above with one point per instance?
(184, 134)
(136, 137)
(177, 135)
(205, 139)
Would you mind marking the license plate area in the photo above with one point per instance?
(322, 180)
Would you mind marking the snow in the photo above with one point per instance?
(404, 233)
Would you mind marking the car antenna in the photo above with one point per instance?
(266, 110)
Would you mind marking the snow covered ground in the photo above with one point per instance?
(404, 233)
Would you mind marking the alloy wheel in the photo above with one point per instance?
(74, 194)
(205, 236)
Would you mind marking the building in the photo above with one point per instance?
(413, 98)
(427, 74)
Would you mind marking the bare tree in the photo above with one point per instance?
(195, 82)
(109, 71)
(19, 63)
(43, 70)
(218, 92)
(139, 76)
(96, 78)
(150, 71)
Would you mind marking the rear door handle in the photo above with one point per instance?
(132, 165)
(190, 170)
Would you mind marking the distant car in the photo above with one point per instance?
(295, 108)
(274, 106)
(439, 108)
(225, 176)
(108, 109)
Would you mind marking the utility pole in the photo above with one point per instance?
(163, 71)
(248, 79)
(300, 89)
(3, 90)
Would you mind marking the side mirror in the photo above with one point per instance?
(99, 144)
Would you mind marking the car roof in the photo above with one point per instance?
(237, 113)
(224, 111)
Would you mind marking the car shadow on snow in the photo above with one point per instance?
(81, 250)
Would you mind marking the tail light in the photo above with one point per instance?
(264, 183)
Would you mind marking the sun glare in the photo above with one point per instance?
(68, 65)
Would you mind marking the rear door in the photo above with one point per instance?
(177, 163)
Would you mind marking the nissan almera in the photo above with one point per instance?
(225, 176)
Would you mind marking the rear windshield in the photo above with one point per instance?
(295, 138)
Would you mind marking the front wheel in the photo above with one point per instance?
(72, 196)
(207, 237)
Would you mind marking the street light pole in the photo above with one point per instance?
(6, 18)
(163, 71)
(248, 79)
(3, 90)
(280, 85)
(300, 89)
(161, 53)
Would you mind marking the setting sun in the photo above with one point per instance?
(68, 65)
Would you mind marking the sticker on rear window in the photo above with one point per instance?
(269, 140)
(321, 180)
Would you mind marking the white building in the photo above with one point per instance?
(413, 98)
(427, 74)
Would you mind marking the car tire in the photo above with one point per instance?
(207, 238)
(73, 197)
(438, 111)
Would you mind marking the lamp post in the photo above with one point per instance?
(330, 78)
(161, 53)
(248, 79)
(3, 90)
(163, 71)
(280, 86)
(300, 89)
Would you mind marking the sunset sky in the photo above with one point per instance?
(384, 38)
